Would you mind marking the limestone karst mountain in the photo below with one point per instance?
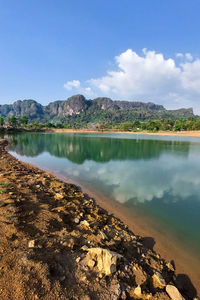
(100, 109)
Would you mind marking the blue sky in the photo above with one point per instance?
(145, 50)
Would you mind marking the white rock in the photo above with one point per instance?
(105, 259)
(31, 244)
(173, 292)
(84, 223)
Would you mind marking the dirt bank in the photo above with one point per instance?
(194, 133)
(57, 243)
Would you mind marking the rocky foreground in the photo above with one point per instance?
(57, 243)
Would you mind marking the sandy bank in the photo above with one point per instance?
(195, 133)
(47, 227)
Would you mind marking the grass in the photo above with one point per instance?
(3, 187)
(3, 191)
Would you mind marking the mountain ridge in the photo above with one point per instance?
(96, 110)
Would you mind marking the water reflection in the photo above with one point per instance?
(79, 148)
(161, 177)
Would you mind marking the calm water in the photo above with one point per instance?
(160, 176)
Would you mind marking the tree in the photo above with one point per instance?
(49, 125)
(12, 121)
(1, 121)
(127, 126)
(24, 120)
(153, 125)
(178, 125)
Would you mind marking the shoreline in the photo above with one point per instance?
(146, 228)
(189, 133)
(195, 133)
(43, 200)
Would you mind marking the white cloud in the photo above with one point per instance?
(188, 57)
(72, 84)
(88, 90)
(191, 76)
(139, 77)
(151, 77)
(179, 55)
(76, 86)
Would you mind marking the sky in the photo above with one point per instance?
(137, 50)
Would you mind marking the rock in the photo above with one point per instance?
(76, 220)
(31, 244)
(58, 196)
(170, 266)
(173, 292)
(85, 297)
(78, 259)
(103, 235)
(84, 223)
(84, 248)
(106, 260)
(140, 276)
(123, 295)
(115, 290)
(69, 242)
(158, 281)
(91, 263)
(138, 291)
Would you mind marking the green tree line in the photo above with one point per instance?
(136, 125)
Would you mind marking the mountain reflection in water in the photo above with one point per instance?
(159, 175)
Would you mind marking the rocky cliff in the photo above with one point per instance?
(90, 110)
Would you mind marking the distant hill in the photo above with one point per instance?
(78, 110)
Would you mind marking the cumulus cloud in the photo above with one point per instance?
(186, 56)
(69, 85)
(150, 76)
(75, 85)
(179, 55)
(139, 77)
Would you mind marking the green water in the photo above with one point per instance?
(159, 176)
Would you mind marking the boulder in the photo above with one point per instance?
(137, 292)
(158, 281)
(173, 292)
(105, 260)
(140, 276)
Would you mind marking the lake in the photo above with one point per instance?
(156, 176)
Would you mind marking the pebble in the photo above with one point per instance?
(31, 244)
(84, 223)
(170, 266)
(76, 220)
